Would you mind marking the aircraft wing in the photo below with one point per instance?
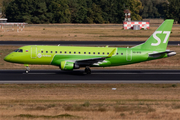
(88, 62)
(157, 54)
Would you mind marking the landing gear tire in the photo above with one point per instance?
(27, 69)
(87, 70)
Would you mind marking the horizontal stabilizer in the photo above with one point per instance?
(158, 54)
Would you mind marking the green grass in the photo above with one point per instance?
(79, 107)
(86, 104)
(122, 114)
(93, 86)
(175, 106)
(46, 116)
(102, 109)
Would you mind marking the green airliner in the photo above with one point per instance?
(74, 57)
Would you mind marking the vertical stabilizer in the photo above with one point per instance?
(159, 39)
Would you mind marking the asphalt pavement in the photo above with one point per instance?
(97, 76)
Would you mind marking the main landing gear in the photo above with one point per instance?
(87, 70)
(27, 69)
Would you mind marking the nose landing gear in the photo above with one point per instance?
(87, 70)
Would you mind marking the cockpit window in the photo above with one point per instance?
(16, 50)
(20, 50)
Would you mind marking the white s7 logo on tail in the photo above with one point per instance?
(158, 39)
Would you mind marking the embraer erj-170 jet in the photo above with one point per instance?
(71, 57)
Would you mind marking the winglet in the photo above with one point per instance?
(110, 55)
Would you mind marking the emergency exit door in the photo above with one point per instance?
(128, 54)
(33, 52)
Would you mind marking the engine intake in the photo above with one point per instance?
(65, 65)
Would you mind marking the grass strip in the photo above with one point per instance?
(82, 100)
(47, 116)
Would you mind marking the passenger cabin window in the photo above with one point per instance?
(84, 52)
(74, 52)
(121, 53)
(65, 52)
(41, 51)
(55, 51)
(108, 53)
(98, 52)
(60, 51)
(116, 53)
(103, 53)
(79, 52)
(69, 52)
(89, 52)
(51, 51)
(93, 52)
(46, 51)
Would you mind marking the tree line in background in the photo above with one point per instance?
(172, 10)
(70, 11)
(153, 8)
(167, 9)
(87, 11)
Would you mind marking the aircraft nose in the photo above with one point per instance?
(7, 58)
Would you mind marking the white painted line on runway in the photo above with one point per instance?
(109, 73)
(38, 73)
(136, 73)
(98, 73)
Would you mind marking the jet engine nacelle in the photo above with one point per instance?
(65, 65)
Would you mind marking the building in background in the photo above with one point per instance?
(11, 25)
(135, 25)
(3, 20)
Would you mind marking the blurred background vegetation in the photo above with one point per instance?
(87, 11)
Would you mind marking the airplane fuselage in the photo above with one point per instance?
(54, 55)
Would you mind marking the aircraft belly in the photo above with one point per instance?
(122, 60)
(117, 60)
(39, 61)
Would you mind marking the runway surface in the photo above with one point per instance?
(86, 43)
(97, 76)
